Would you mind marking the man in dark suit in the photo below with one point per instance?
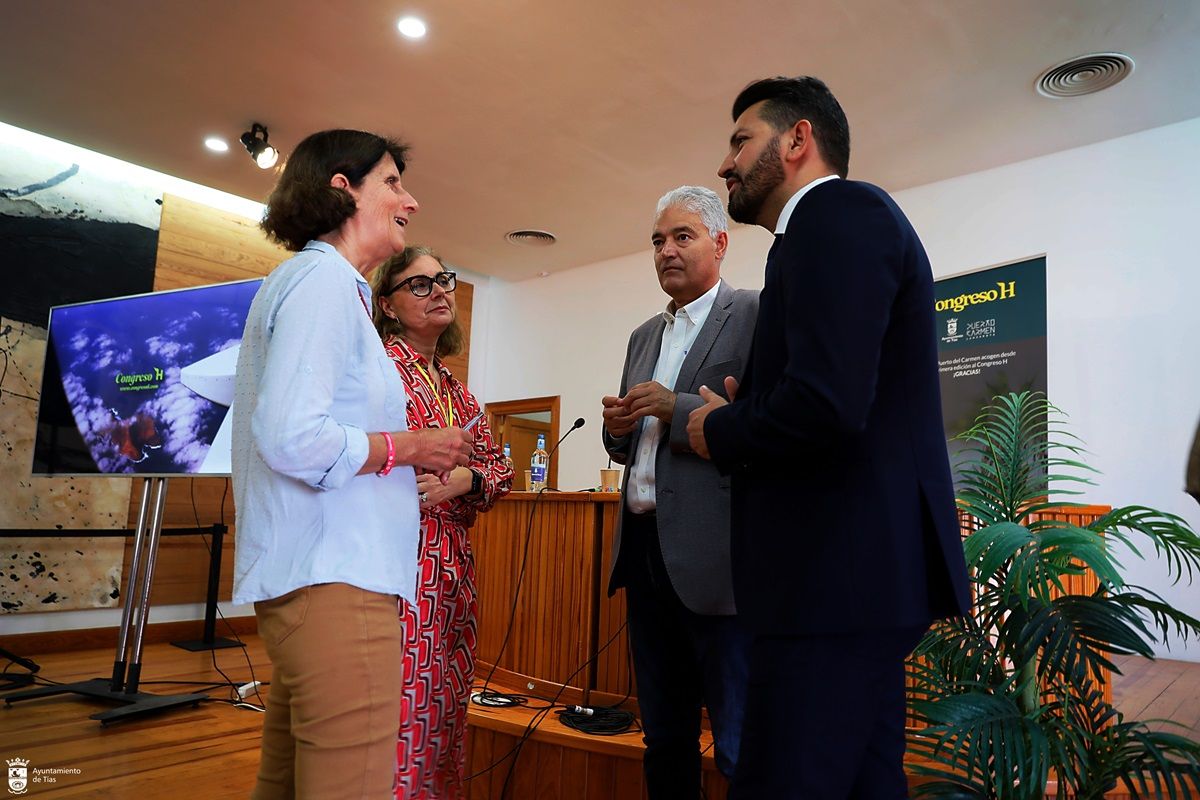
(672, 546)
(845, 540)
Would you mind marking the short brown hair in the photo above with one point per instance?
(303, 205)
(451, 342)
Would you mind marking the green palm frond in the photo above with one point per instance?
(1016, 451)
(1174, 542)
(1164, 617)
(1072, 635)
(1155, 763)
(955, 652)
(1007, 462)
(985, 738)
(1028, 562)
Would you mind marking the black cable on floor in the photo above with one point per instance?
(597, 721)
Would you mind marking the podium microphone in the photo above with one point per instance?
(579, 422)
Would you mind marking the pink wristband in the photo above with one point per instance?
(390, 461)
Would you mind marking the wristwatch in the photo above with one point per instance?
(476, 483)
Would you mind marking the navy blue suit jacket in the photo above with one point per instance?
(843, 506)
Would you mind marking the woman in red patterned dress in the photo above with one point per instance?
(415, 314)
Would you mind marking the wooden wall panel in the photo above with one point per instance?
(198, 245)
(464, 298)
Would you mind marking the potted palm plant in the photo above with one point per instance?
(1013, 696)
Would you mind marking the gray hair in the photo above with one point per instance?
(700, 201)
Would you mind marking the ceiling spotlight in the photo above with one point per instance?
(411, 28)
(216, 144)
(255, 142)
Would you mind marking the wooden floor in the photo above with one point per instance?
(211, 751)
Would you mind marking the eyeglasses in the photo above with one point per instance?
(422, 285)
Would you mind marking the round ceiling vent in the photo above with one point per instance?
(531, 238)
(1084, 75)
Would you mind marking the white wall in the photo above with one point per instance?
(566, 335)
(1118, 223)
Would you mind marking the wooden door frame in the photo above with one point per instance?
(529, 405)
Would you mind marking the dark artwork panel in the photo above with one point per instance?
(49, 262)
(73, 227)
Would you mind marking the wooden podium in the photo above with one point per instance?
(562, 616)
(557, 632)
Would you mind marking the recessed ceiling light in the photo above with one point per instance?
(216, 144)
(411, 28)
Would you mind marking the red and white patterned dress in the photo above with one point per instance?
(439, 629)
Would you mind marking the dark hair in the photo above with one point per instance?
(452, 341)
(303, 205)
(789, 100)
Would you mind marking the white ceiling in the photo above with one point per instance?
(574, 117)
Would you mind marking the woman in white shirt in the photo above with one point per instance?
(327, 513)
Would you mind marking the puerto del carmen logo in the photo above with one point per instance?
(18, 775)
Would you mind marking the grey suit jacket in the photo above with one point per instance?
(691, 496)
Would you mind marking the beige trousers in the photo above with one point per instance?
(332, 714)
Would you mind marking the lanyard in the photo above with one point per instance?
(448, 416)
(449, 408)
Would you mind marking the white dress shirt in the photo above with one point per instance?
(312, 380)
(678, 335)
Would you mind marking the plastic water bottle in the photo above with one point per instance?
(537, 465)
(508, 455)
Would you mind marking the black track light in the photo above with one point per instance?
(255, 142)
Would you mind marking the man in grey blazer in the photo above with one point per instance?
(672, 546)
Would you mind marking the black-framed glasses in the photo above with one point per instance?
(422, 285)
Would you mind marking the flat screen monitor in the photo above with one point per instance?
(141, 385)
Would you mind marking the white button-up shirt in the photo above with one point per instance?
(678, 336)
(312, 380)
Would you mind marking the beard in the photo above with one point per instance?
(746, 201)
